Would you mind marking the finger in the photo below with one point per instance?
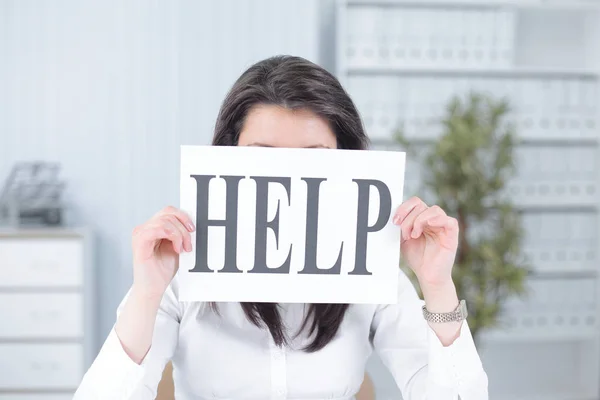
(181, 216)
(422, 220)
(405, 208)
(146, 236)
(185, 234)
(407, 223)
(174, 233)
(445, 222)
(161, 229)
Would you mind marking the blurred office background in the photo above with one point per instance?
(110, 89)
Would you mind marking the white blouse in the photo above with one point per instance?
(227, 357)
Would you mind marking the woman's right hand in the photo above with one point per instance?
(156, 247)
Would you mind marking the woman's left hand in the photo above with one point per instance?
(429, 240)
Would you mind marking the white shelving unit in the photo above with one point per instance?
(458, 72)
(401, 61)
(521, 4)
(48, 312)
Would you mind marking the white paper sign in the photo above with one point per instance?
(291, 225)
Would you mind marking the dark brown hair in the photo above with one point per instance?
(293, 83)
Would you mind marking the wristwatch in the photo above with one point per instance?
(459, 314)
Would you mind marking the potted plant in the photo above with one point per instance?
(465, 171)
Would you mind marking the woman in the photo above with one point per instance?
(296, 351)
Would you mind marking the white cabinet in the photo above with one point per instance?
(56, 315)
(41, 366)
(47, 313)
(36, 397)
(39, 262)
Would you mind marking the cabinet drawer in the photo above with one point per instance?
(41, 315)
(40, 366)
(41, 262)
(36, 396)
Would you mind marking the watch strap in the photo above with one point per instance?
(459, 314)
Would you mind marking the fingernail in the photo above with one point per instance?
(191, 227)
(414, 234)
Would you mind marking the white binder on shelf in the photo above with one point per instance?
(362, 28)
(588, 111)
(384, 34)
(506, 37)
(398, 28)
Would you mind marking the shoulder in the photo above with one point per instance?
(171, 299)
(392, 321)
(407, 303)
(404, 282)
(407, 296)
(406, 289)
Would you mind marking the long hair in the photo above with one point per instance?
(293, 83)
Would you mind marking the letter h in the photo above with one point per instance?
(230, 223)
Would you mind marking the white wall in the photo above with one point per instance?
(111, 88)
